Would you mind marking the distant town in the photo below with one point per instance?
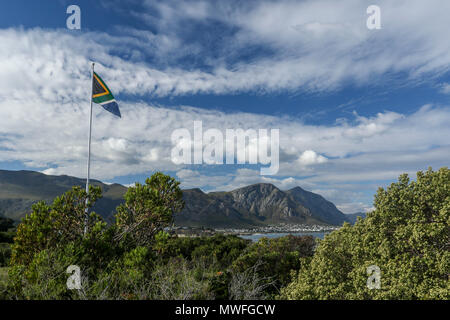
(279, 228)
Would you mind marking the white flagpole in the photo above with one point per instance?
(86, 210)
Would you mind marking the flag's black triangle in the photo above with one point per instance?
(98, 88)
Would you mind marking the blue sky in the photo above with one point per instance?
(355, 107)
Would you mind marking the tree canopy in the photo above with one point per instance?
(406, 236)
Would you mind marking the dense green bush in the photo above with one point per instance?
(7, 231)
(212, 256)
(148, 209)
(6, 224)
(276, 258)
(5, 254)
(7, 236)
(221, 249)
(49, 226)
(406, 236)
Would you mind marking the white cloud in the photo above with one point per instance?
(310, 157)
(445, 88)
(314, 45)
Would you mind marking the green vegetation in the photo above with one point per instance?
(133, 258)
(276, 258)
(3, 283)
(3, 275)
(5, 254)
(7, 233)
(406, 236)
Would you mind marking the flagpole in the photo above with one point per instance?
(86, 210)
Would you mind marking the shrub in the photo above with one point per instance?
(49, 226)
(148, 209)
(406, 236)
(5, 254)
(275, 258)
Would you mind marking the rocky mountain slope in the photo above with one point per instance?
(258, 204)
(253, 205)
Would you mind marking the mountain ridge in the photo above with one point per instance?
(253, 205)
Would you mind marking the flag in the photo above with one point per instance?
(103, 96)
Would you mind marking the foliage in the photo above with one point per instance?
(50, 225)
(215, 254)
(3, 283)
(221, 249)
(5, 254)
(180, 279)
(148, 209)
(44, 277)
(52, 237)
(250, 285)
(276, 258)
(6, 224)
(7, 233)
(7, 237)
(406, 236)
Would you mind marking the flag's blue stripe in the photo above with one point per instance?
(112, 107)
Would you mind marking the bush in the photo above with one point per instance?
(275, 258)
(5, 254)
(7, 230)
(117, 261)
(7, 237)
(148, 209)
(48, 227)
(406, 236)
(219, 249)
(6, 224)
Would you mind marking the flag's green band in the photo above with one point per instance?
(104, 98)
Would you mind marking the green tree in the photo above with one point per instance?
(211, 256)
(52, 237)
(406, 236)
(275, 258)
(51, 225)
(148, 209)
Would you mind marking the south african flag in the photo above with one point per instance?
(103, 96)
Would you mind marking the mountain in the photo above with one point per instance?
(20, 189)
(322, 208)
(258, 204)
(254, 205)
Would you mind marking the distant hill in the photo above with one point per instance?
(258, 204)
(20, 189)
(253, 205)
